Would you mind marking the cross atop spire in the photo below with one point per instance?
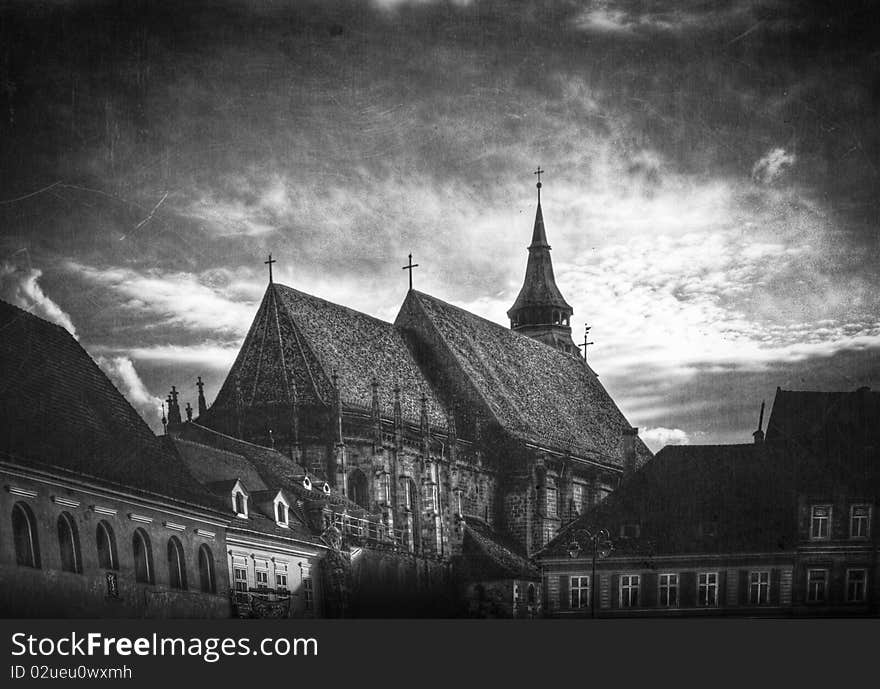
(539, 172)
(269, 263)
(409, 266)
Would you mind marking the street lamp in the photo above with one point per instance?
(602, 547)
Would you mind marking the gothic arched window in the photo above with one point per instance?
(176, 564)
(143, 557)
(206, 570)
(358, 489)
(24, 529)
(106, 542)
(68, 544)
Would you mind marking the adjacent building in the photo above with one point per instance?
(781, 527)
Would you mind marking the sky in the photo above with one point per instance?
(711, 186)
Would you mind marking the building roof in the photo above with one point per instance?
(539, 287)
(274, 468)
(535, 392)
(489, 557)
(212, 465)
(58, 409)
(847, 417)
(297, 342)
(697, 499)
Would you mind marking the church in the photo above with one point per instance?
(459, 433)
(348, 467)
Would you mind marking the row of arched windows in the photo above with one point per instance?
(27, 550)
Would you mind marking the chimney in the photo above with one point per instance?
(759, 434)
(629, 450)
(203, 406)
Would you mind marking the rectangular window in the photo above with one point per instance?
(308, 594)
(860, 521)
(820, 522)
(580, 592)
(629, 590)
(759, 588)
(262, 579)
(668, 593)
(281, 580)
(240, 575)
(578, 492)
(817, 583)
(551, 501)
(856, 585)
(707, 589)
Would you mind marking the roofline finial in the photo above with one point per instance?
(539, 172)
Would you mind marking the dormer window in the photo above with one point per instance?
(240, 501)
(281, 510)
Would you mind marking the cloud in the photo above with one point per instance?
(217, 301)
(772, 166)
(18, 285)
(656, 438)
(207, 355)
(121, 371)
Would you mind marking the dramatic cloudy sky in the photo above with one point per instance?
(711, 188)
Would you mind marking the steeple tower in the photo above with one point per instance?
(540, 311)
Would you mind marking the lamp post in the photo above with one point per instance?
(602, 546)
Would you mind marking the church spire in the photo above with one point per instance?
(540, 311)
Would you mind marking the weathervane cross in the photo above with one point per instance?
(269, 263)
(586, 335)
(539, 172)
(409, 266)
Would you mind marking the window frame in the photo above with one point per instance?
(821, 520)
(308, 594)
(714, 585)
(865, 518)
(825, 581)
(68, 544)
(669, 586)
(103, 527)
(206, 570)
(259, 575)
(149, 576)
(584, 599)
(632, 586)
(864, 584)
(177, 573)
(758, 586)
(33, 543)
(240, 583)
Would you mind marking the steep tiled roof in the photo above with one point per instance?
(697, 499)
(297, 341)
(536, 393)
(489, 557)
(57, 408)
